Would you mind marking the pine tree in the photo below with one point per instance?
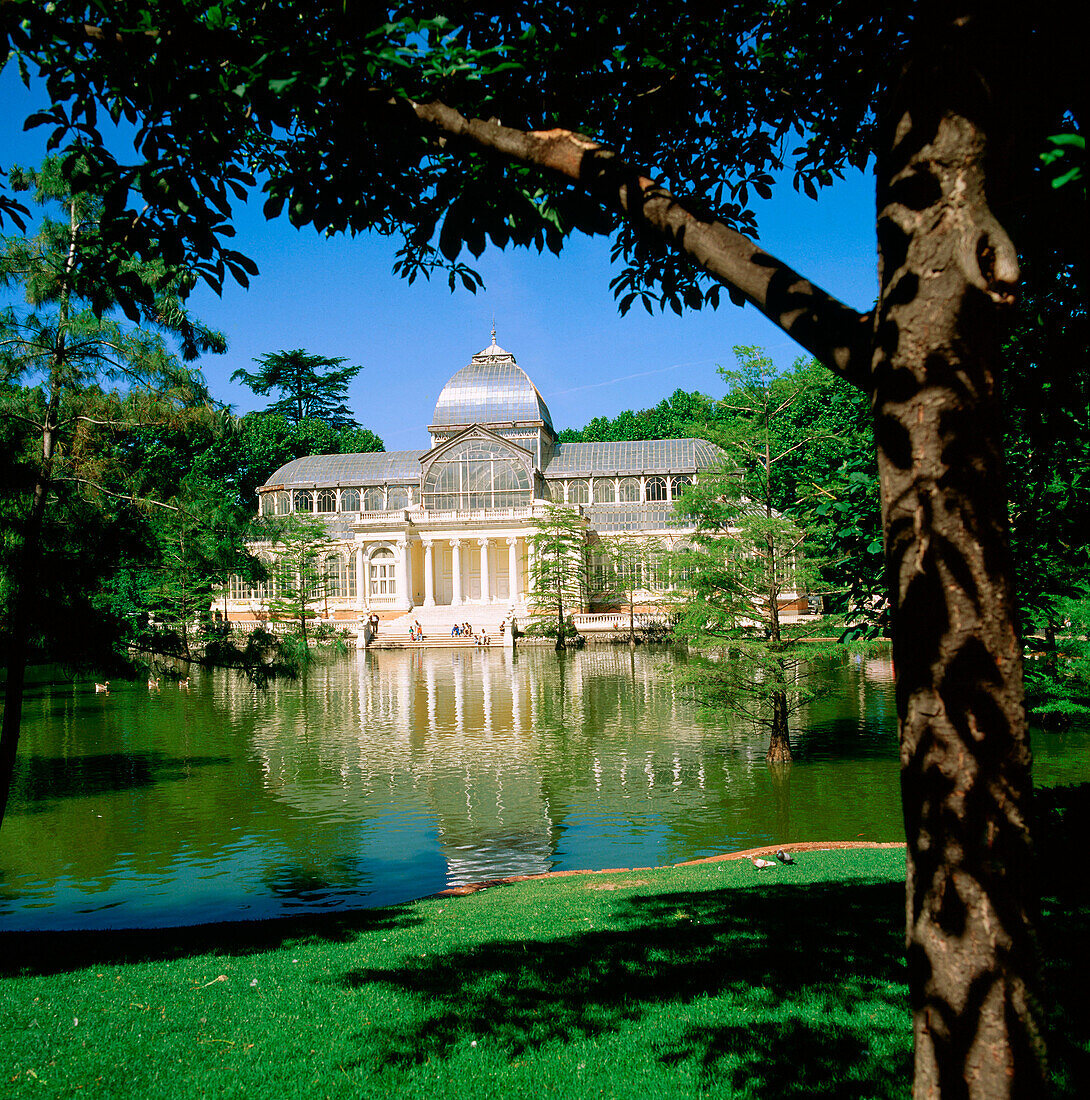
(311, 387)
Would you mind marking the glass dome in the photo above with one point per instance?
(491, 389)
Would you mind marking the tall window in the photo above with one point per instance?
(327, 500)
(350, 500)
(656, 488)
(629, 490)
(382, 573)
(268, 504)
(239, 589)
(340, 577)
(373, 499)
(677, 484)
(304, 500)
(578, 491)
(397, 498)
(477, 474)
(283, 503)
(605, 492)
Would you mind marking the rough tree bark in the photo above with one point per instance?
(929, 357)
(947, 272)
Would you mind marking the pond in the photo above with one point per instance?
(390, 775)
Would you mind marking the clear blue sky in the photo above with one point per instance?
(557, 315)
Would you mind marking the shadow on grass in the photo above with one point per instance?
(39, 953)
(789, 986)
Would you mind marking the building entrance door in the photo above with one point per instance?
(502, 579)
(473, 581)
(444, 589)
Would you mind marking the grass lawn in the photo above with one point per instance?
(709, 980)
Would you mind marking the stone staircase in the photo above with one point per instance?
(437, 623)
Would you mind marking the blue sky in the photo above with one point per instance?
(337, 297)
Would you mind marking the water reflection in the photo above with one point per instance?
(389, 775)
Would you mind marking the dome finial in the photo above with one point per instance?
(493, 330)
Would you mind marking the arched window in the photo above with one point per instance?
(629, 489)
(578, 491)
(350, 500)
(382, 573)
(268, 504)
(605, 491)
(397, 498)
(656, 488)
(303, 501)
(283, 503)
(327, 500)
(677, 484)
(373, 499)
(476, 474)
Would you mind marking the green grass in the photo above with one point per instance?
(714, 980)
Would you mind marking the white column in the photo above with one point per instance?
(486, 594)
(405, 597)
(429, 578)
(361, 580)
(459, 696)
(456, 571)
(513, 570)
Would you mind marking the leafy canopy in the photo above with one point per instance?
(311, 387)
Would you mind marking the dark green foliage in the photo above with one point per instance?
(679, 416)
(311, 387)
(308, 96)
(254, 446)
(1058, 666)
(827, 476)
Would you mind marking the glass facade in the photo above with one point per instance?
(629, 489)
(476, 474)
(340, 577)
(578, 492)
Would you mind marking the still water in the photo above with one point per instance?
(389, 775)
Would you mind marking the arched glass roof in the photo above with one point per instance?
(491, 389)
(633, 457)
(350, 469)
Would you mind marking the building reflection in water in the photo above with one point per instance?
(389, 774)
(516, 758)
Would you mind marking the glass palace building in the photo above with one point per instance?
(445, 532)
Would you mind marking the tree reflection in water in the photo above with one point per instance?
(390, 775)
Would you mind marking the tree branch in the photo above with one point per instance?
(118, 496)
(836, 334)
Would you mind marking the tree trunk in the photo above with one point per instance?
(947, 270)
(779, 744)
(559, 606)
(24, 583)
